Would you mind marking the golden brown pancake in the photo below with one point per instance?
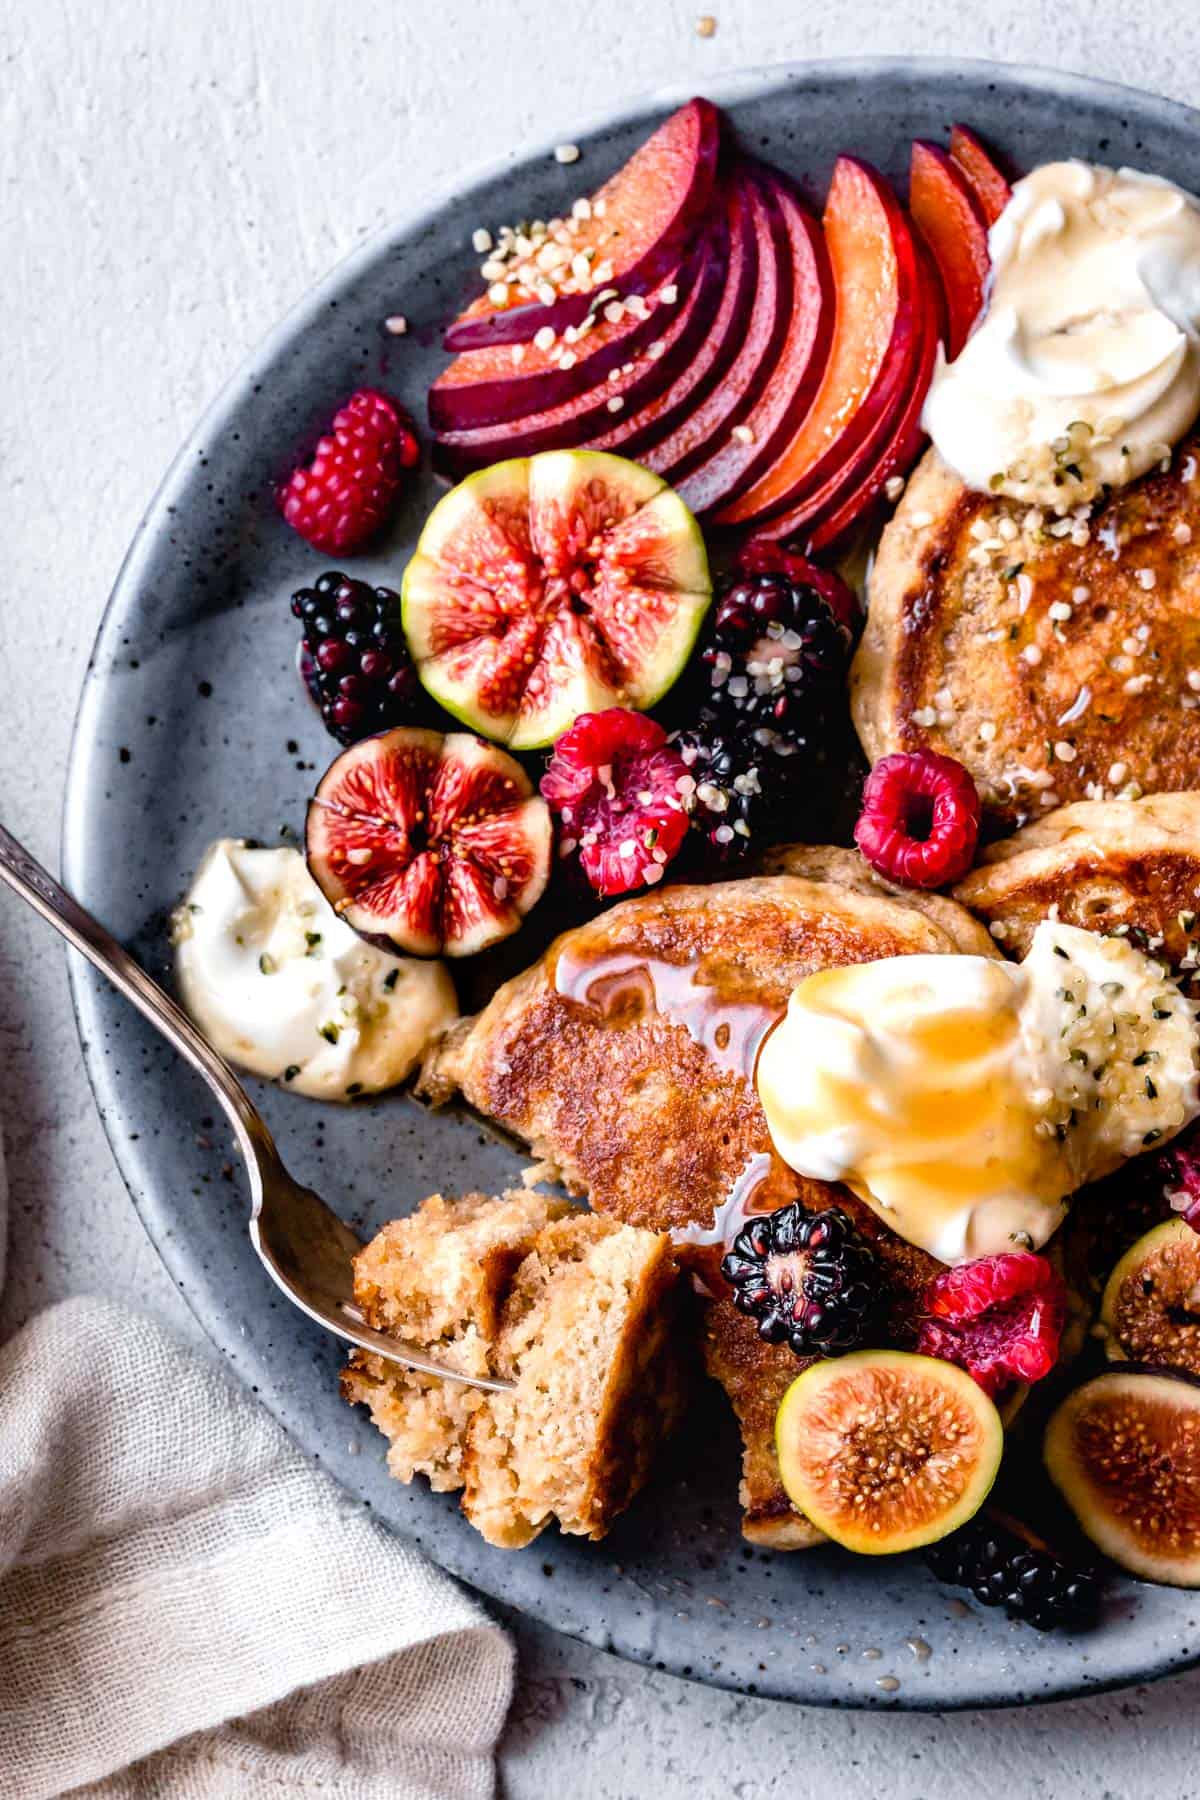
(968, 649)
(847, 869)
(1116, 865)
(636, 1084)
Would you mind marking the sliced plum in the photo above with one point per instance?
(901, 444)
(951, 222)
(874, 327)
(641, 433)
(550, 586)
(1124, 1452)
(988, 182)
(634, 230)
(487, 387)
(780, 384)
(437, 844)
(684, 329)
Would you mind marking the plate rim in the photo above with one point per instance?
(724, 89)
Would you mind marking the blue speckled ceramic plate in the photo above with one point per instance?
(192, 725)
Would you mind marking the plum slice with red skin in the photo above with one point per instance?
(988, 182)
(951, 222)
(436, 844)
(874, 275)
(485, 387)
(641, 223)
(878, 420)
(640, 433)
(784, 382)
(902, 445)
(684, 327)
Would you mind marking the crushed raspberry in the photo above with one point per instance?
(1000, 1318)
(346, 493)
(614, 782)
(761, 557)
(1180, 1169)
(920, 819)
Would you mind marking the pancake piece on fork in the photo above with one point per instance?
(624, 1057)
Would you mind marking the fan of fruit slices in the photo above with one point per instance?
(692, 342)
(695, 315)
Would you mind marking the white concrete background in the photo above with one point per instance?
(172, 177)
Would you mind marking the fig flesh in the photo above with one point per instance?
(885, 1451)
(437, 845)
(550, 586)
(1150, 1312)
(1124, 1452)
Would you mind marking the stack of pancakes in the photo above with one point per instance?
(1057, 666)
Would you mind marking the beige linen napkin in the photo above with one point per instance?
(188, 1608)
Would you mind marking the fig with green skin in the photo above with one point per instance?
(435, 844)
(885, 1451)
(550, 586)
(1124, 1452)
(1150, 1312)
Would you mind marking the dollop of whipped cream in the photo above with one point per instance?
(280, 985)
(965, 1100)
(1084, 371)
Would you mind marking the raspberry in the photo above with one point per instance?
(346, 493)
(919, 823)
(614, 781)
(1179, 1167)
(353, 658)
(1000, 1318)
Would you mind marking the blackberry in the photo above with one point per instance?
(1002, 1566)
(353, 657)
(808, 1278)
(745, 788)
(776, 654)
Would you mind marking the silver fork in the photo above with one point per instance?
(302, 1244)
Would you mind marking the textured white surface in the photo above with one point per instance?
(171, 179)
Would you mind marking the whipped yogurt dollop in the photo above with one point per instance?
(281, 986)
(1085, 368)
(965, 1100)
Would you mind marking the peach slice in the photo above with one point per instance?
(950, 220)
(874, 278)
(988, 184)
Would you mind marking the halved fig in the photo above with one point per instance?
(635, 228)
(874, 277)
(486, 387)
(550, 586)
(1124, 1452)
(684, 328)
(784, 384)
(884, 1451)
(988, 183)
(951, 221)
(1150, 1312)
(437, 844)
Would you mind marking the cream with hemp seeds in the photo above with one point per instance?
(284, 988)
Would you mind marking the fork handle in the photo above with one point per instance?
(26, 876)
